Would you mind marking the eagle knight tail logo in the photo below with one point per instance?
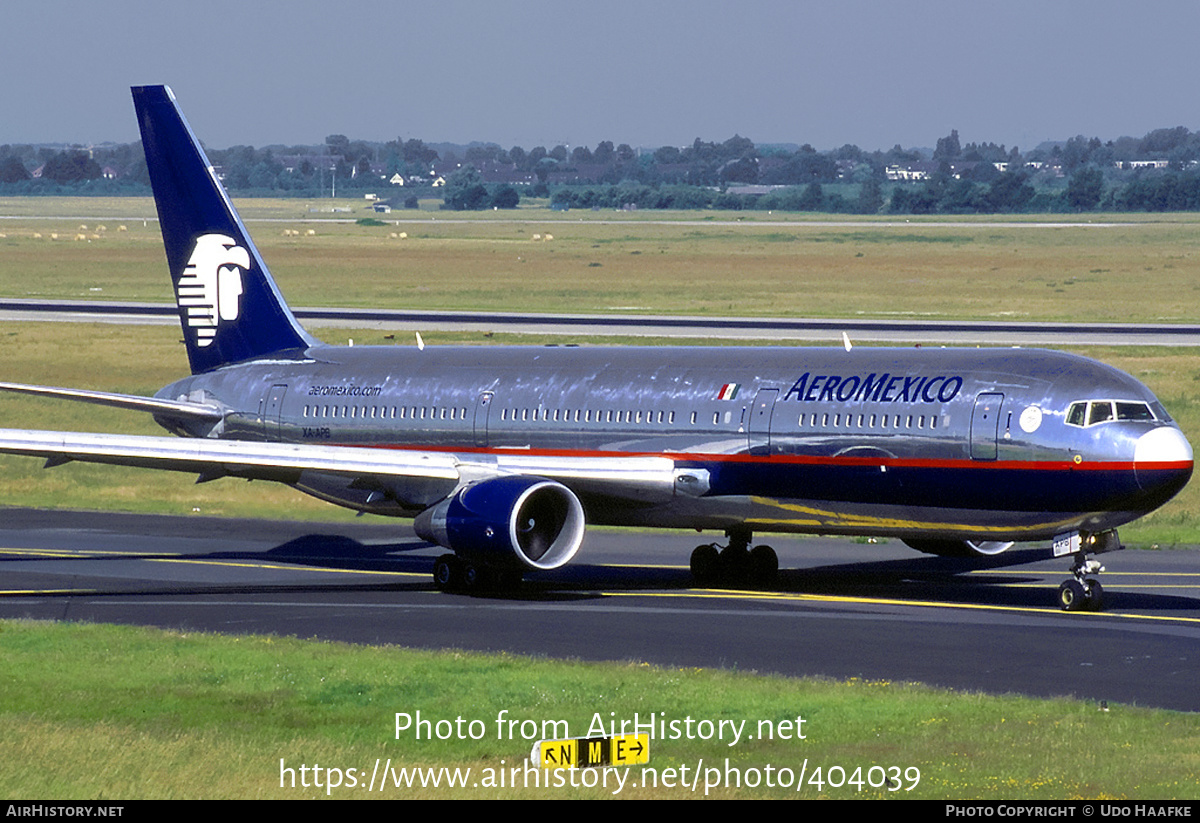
(210, 288)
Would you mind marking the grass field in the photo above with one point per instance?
(117, 712)
(721, 264)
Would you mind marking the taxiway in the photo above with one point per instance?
(840, 609)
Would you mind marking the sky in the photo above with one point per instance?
(540, 72)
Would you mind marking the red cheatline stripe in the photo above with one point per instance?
(808, 460)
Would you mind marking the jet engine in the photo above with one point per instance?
(529, 522)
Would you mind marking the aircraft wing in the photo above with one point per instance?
(415, 477)
(634, 478)
(239, 458)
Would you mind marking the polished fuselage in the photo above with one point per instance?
(940, 443)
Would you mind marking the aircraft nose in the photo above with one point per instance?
(1162, 457)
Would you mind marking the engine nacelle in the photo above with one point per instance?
(533, 522)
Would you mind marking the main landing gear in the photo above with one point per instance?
(453, 574)
(735, 563)
(1081, 592)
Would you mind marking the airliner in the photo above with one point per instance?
(503, 455)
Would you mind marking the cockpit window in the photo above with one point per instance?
(1099, 411)
(1160, 413)
(1091, 412)
(1133, 411)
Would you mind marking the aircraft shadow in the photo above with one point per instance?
(943, 580)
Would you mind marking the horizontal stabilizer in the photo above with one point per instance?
(173, 409)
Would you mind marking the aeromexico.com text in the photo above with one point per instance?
(345, 391)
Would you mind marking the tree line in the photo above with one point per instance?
(1157, 172)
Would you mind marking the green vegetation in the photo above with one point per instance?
(92, 711)
(1135, 272)
(1157, 173)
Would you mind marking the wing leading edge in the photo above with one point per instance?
(413, 478)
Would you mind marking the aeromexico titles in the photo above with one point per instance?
(504, 454)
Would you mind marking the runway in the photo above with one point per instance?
(840, 609)
(766, 329)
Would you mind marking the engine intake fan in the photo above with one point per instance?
(530, 521)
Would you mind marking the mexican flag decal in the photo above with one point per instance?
(729, 391)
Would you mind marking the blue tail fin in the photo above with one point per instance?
(229, 306)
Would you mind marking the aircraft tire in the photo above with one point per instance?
(447, 572)
(1071, 596)
(1095, 595)
(764, 564)
(472, 577)
(705, 564)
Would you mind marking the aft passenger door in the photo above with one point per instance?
(985, 425)
(270, 408)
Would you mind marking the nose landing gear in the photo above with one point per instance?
(1081, 595)
(1081, 592)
